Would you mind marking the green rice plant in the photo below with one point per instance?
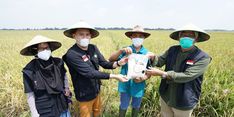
(217, 99)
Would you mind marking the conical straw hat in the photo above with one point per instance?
(29, 49)
(202, 35)
(80, 25)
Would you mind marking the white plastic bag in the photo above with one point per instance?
(136, 65)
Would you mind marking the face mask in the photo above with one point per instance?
(186, 42)
(84, 42)
(44, 55)
(137, 41)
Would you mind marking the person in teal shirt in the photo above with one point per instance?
(134, 88)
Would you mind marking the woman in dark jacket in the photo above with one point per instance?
(45, 80)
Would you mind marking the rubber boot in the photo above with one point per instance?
(122, 112)
(135, 112)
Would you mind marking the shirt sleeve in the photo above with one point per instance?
(28, 86)
(102, 61)
(192, 72)
(32, 105)
(121, 55)
(81, 67)
(159, 61)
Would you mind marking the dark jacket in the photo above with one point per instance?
(46, 80)
(187, 93)
(84, 69)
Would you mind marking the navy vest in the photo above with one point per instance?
(187, 93)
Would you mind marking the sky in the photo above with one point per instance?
(206, 14)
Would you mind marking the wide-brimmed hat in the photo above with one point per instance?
(202, 35)
(137, 29)
(31, 49)
(81, 25)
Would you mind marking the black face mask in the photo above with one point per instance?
(45, 63)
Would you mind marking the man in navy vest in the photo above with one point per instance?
(185, 64)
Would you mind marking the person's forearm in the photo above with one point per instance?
(81, 67)
(114, 56)
(106, 64)
(32, 105)
(155, 61)
(190, 73)
(160, 60)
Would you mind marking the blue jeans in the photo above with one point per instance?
(65, 114)
(125, 99)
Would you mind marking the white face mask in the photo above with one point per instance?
(137, 41)
(44, 55)
(84, 42)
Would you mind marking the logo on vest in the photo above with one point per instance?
(35, 82)
(85, 58)
(190, 62)
(95, 55)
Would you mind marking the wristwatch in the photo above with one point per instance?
(117, 63)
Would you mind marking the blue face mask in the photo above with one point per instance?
(186, 42)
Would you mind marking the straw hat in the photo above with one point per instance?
(202, 35)
(30, 49)
(80, 25)
(137, 29)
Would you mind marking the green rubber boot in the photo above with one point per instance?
(135, 112)
(122, 112)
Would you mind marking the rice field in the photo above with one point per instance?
(217, 99)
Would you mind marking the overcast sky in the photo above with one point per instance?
(206, 14)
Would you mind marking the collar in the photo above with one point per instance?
(194, 48)
(143, 50)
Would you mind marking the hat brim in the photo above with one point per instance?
(31, 50)
(129, 33)
(202, 36)
(69, 32)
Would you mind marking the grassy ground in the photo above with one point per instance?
(217, 98)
